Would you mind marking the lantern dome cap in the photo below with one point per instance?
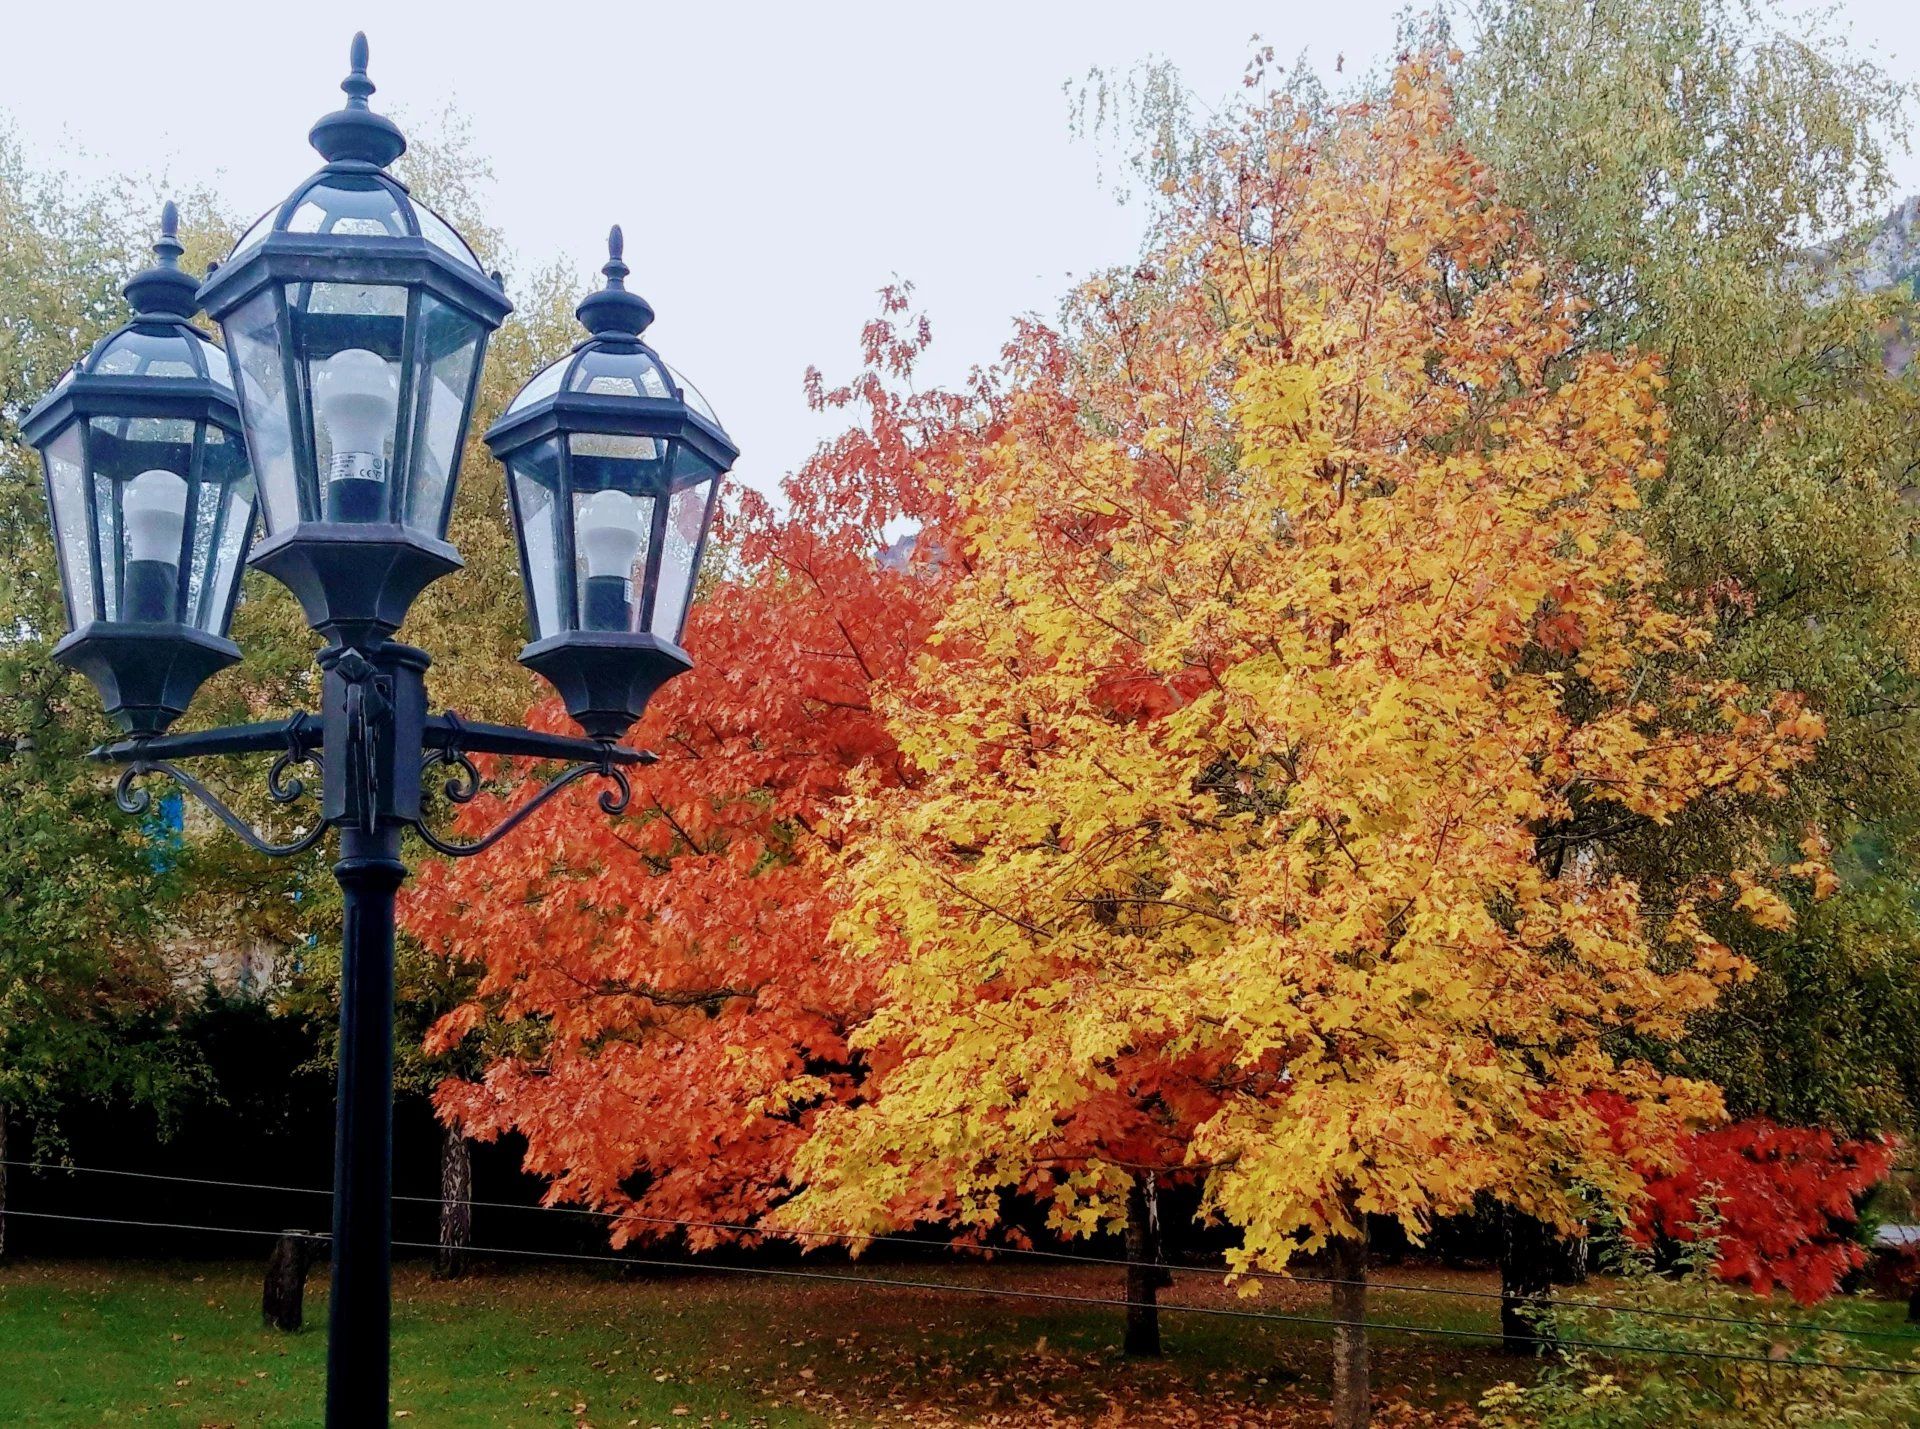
(165, 289)
(353, 198)
(614, 361)
(354, 133)
(158, 342)
(613, 312)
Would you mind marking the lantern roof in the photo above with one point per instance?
(353, 198)
(157, 355)
(610, 370)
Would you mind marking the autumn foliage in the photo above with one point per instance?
(1303, 660)
(677, 1010)
(1219, 781)
(1780, 1203)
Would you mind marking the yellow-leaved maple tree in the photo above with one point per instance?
(1302, 637)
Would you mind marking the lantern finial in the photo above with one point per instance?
(164, 291)
(613, 314)
(357, 86)
(355, 134)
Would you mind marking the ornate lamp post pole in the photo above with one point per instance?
(356, 322)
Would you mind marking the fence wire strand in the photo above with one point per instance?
(1801, 1327)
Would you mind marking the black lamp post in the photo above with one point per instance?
(356, 323)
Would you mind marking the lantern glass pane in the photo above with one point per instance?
(256, 235)
(133, 353)
(106, 551)
(536, 485)
(679, 557)
(609, 462)
(440, 234)
(221, 524)
(215, 361)
(351, 338)
(544, 385)
(693, 396)
(266, 408)
(607, 372)
(66, 479)
(451, 346)
(352, 205)
(141, 469)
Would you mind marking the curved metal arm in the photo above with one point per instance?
(462, 788)
(138, 801)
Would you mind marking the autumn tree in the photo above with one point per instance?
(669, 1014)
(1302, 630)
(1720, 223)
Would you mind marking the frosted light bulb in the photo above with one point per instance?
(356, 396)
(153, 511)
(155, 507)
(609, 534)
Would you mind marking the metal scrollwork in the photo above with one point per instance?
(611, 801)
(137, 801)
(281, 788)
(465, 782)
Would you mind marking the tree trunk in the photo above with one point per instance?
(456, 1205)
(1352, 1391)
(1913, 1304)
(3, 1181)
(1572, 1259)
(1527, 1251)
(283, 1299)
(1145, 1273)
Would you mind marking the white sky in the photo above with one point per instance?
(773, 164)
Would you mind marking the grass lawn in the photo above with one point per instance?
(181, 1344)
(156, 1343)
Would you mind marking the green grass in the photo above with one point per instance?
(184, 1345)
(93, 1344)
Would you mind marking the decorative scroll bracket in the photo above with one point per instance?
(465, 784)
(282, 791)
(445, 740)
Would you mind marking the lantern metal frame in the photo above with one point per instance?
(355, 580)
(376, 747)
(145, 671)
(606, 677)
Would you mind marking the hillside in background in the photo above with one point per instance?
(1893, 256)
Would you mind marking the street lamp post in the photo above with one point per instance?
(356, 323)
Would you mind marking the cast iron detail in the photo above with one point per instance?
(611, 801)
(137, 801)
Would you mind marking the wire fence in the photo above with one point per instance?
(1771, 1358)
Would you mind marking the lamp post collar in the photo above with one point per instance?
(613, 314)
(354, 133)
(165, 292)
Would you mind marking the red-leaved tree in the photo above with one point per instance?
(1781, 1203)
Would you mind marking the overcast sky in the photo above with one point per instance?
(773, 164)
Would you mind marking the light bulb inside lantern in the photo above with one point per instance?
(608, 533)
(356, 396)
(154, 508)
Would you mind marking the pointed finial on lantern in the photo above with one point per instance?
(614, 313)
(355, 134)
(357, 86)
(167, 246)
(616, 268)
(164, 291)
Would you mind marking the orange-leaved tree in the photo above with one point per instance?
(674, 1014)
(1302, 612)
